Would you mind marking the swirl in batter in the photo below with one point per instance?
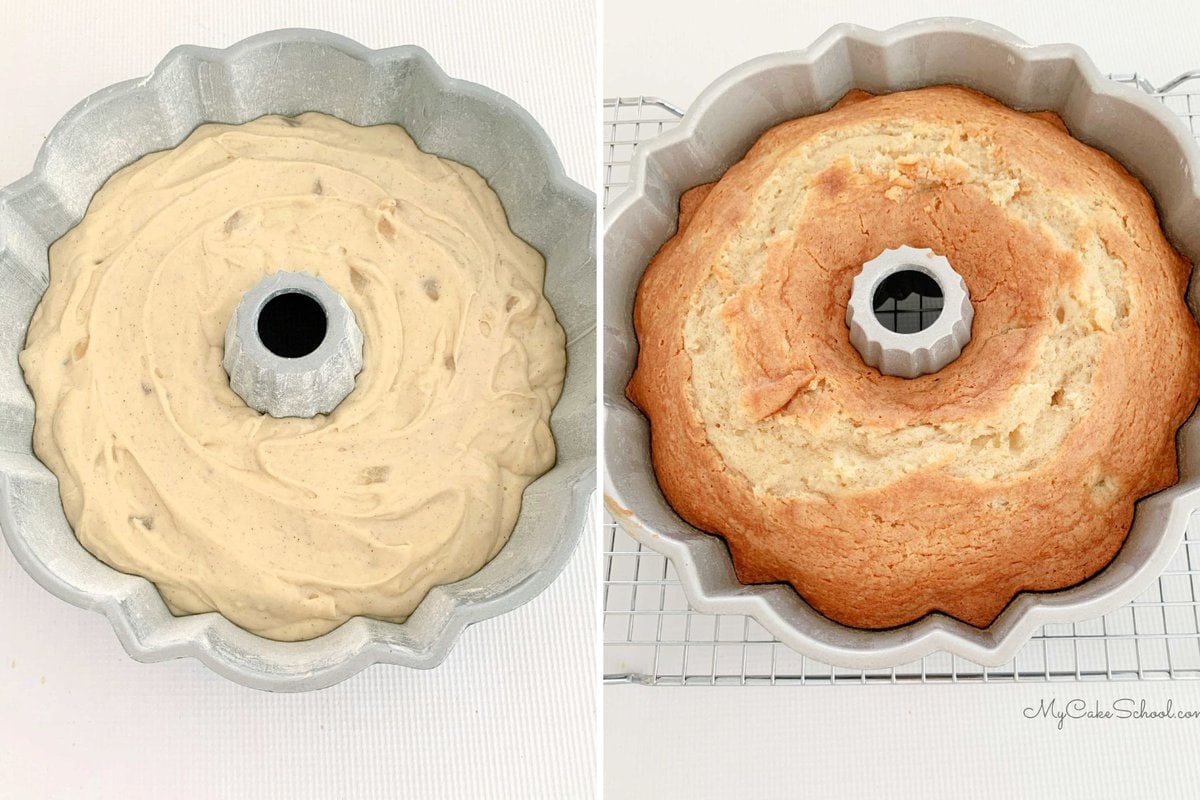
(291, 526)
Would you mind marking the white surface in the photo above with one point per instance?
(887, 741)
(674, 48)
(511, 713)
(929, 742)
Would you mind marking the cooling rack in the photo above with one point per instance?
(652, 636)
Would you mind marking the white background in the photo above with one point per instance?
(887, 741)
(674, 48)
(511, 713)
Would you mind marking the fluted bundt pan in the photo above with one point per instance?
(716, 132)
(290, 72)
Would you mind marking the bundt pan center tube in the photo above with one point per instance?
(716, 133)
(293, 348)
(909, 354)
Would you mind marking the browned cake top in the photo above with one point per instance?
(881, 498)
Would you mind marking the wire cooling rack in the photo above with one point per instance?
(652, 636)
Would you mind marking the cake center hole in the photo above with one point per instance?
(907, 301)
(292, 324)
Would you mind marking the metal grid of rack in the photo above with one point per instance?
(913, 308)
(652, 636)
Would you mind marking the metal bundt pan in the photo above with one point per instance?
(290, 72)
(717, 131)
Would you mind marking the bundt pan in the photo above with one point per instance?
(716, 132)
(290, 72)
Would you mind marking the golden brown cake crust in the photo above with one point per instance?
(881, 499)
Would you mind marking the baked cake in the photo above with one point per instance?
(881, 499)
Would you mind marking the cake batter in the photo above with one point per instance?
(291, 526)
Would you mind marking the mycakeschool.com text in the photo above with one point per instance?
(1059, 710)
